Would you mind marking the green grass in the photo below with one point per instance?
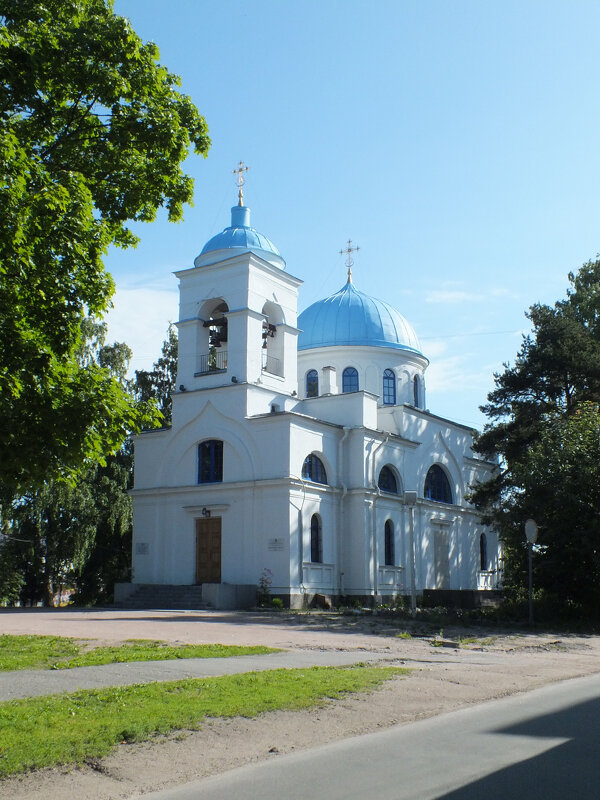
(53, 652)
(64, 729)
(34, 652)
(142, 650)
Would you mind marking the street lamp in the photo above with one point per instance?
(410, 500)
(531, 532)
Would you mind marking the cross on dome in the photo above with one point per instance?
(239, 171)
(348, 250)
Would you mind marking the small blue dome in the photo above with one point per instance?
(240, 237)
(352, 318)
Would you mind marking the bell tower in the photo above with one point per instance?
(238, 311)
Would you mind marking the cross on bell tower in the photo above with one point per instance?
(348, 250)
(239, 171)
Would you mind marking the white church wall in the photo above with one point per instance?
(353, 409)
(307, 437)
(356, 545)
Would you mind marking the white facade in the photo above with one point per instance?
(206, 512)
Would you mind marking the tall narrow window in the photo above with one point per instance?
(313, 469)
(390, 555)
(316, 539)
(210, 461)
(483, 557)
(312, 383)
(349, 380)
(416, 390)
(387, 481)
(389, 388)
(437, 485)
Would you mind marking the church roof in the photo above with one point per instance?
(238, 238)
(352, 318)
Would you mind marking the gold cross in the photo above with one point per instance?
(240, 181)
(348, 250)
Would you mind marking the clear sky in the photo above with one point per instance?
(455, 142)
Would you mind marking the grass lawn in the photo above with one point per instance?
(45, 731)
(54, 652)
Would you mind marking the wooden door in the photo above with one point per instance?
(208, 550)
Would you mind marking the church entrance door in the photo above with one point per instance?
(208, 550)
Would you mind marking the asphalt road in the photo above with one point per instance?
(542, 745)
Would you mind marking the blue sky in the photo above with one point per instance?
(455, 142)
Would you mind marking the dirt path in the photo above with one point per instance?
(445, 677)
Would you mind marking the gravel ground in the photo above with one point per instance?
(446, 675)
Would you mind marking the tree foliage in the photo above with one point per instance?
(546, 431)
(93, 132)
(78, 535)
(158, 384)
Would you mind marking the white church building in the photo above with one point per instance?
(301, 447)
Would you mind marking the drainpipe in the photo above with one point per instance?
(341, 514)
(374, 514)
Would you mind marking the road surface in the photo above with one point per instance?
(544, 744)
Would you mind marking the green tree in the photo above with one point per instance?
(93, 132)
(109, 560)
(79, 535)
(158, 384)
(55, 530)
(557, 483)
(109, 557)
(11, 579)
(58, 523)
(544, 420)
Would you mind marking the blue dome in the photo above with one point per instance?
(239, 237)
(352, 318)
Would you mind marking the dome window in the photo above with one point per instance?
(312, 383)
(349, 380)
(389, 388)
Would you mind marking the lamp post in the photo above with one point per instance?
(531, 532)
(410, 499)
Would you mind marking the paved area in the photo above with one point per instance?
(543, 744)
(34, 683)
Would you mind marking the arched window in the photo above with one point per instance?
(313, 469)
(387, 481)
(312, 383)
(316, 539)
(389, 388)
(212, 337)
(217, 326)
(483, 556)
(349, 380)
(390, 555)
(210, 461)
(416, 390)
(437, 486)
